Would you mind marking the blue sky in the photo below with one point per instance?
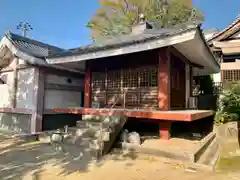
(61, 22)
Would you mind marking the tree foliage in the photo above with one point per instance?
(229, 105)
(116, 17)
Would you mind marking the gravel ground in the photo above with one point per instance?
(26, 161)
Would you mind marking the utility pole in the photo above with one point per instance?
(24, 27)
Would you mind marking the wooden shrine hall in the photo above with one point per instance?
(147, 74)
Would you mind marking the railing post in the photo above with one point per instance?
(124, 99)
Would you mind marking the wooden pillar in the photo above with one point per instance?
(221, 76)
(164, 79)
(38, 101)
(188, 83)
(14, 84)
(191, 80)
(165, 129)
(87, 87)
(164, 91)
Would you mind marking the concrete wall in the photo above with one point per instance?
(18, 123)
(61, 98)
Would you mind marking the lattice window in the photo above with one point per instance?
(98, 80)
(108, 86)
(148, 77)
(231, 75)
(154, 77)
(114, 79)
(236, 75)
(130, 78)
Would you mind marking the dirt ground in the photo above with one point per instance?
(28, 161)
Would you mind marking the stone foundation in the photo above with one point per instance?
(15, 123)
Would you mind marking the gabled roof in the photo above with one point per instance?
(32, 47)
(32, 51)
(227, 32)
(126, 40)
(187, 38)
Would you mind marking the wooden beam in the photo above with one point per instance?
(14, 87)
(63, 87)
(164, 79)
(18, 67)
(182, 115)
(59, 72)
(16, 110)
(37, 115)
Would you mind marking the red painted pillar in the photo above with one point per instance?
(87, 88)
(164, 91)
(165, 129)
(164, 80)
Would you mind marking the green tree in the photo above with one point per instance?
(116, 17)
(229, 105)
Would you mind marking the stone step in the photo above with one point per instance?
(88, 124)
(96, 125)
(93, 133)
(210, 156)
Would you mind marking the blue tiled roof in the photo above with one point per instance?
(32, 47)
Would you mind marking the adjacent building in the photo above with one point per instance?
(226, 47)
(30, 87)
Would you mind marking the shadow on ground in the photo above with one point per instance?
(19, 158)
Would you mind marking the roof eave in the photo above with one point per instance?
(133, 48)
(6, 42)
(211, 56)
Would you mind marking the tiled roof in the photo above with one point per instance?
(32, 47)
(121, 41)
(226, 29)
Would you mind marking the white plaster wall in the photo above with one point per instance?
(62, 98)
(55, 79)
(25, 88)
(217, 77)
(6, 90)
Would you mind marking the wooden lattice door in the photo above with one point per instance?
(178, 81)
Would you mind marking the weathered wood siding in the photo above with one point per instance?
(178, 86)
(128, 81)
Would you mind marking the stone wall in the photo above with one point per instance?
(228, 131)
(15, 123)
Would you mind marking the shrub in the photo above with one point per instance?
(228, 105)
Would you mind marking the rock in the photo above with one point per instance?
(134, 138)
(124, 135)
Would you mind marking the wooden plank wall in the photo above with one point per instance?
(134, 75)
